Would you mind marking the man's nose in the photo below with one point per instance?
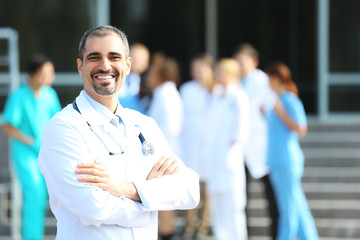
(105, 65)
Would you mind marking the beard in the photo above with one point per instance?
(104, 88)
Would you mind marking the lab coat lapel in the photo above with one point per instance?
(136, 157)
(88, 113)
(99, 124)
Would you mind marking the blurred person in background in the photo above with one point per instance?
(166, 108)
(286, 122)
(256, 85)
(227, 130)
(135, 94)
(26, 112)
(196, 95)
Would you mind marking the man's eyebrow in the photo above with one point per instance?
(115, 53)
(92, 54)
(98, 53)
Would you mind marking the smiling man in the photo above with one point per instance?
(109, 170)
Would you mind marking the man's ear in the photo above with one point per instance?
(79, 66)
(256, 62)
(128, 63)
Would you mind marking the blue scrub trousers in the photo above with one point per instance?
(35, 196)
(295, 219)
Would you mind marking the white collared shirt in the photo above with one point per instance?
(90, 213)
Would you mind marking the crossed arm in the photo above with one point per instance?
(96, 175)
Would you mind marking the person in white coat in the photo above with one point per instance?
(228, 126)
(262, 99)
(196, 96)
(108, 169)
(166, 109)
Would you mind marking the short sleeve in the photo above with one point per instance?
(13, 110)
(296, 110)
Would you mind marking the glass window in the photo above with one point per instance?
(344, 36)
(344, 99)
(49, 27)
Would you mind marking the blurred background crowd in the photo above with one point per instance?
(259, 97)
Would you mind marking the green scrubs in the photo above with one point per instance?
(29, 115)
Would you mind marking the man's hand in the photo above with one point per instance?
(165, 166)
(98, 176)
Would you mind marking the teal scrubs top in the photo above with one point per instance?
(29, 114)
(283, 144)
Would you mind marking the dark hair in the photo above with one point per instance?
(167, 67)
(102, 31)
(282, 71)
(248, 49)
(36, 61)
(205, 58)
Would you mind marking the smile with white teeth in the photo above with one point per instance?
(104, 77)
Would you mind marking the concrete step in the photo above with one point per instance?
(332, 136)
(332, 153)
(327, 228)
(335, 172)
(341, 125)
(321, 238)
(320, 161)
(328, 187)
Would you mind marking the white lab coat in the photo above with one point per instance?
(166, 108)
(84, 212)
(256, 86)
(227, 122)
(228, 126)
(196, 101)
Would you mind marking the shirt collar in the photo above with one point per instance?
(95, 113)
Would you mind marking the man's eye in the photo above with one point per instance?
(116, 58)
(93, 58)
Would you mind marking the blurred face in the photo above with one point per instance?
(48, 73)
(153, 79)
(43, 76)
(221, 76)
(201, 72)
(246, 63)
(140, 60)
(104, 66)
(275, 83)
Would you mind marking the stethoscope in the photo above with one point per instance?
(147, 147)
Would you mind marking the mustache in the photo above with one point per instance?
(111, 71)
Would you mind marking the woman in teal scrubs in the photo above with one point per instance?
(286, 123)
(26, 112)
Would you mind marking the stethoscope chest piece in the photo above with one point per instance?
(147, 148)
